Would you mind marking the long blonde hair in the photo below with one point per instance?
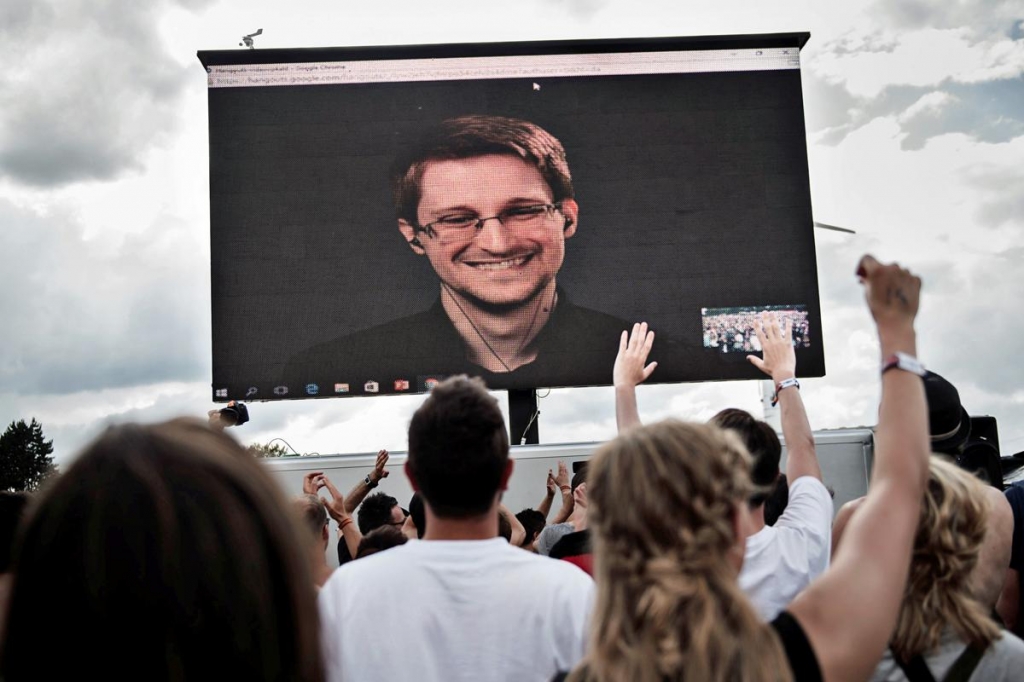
(954, 514)
(662, 504)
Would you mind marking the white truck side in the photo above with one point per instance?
(845, 456)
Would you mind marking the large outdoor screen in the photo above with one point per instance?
(384, 217)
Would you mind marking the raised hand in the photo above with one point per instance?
(562, 479)
(892, 293)
(336, 505)
(380, 467)
(777, 346)
(630, 368)
(312, 482)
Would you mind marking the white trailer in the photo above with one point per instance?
(845, 456)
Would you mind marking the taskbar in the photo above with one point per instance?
(335, 389)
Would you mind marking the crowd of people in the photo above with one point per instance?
(679, 551)
(735, 332)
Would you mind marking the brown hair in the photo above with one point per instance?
(763, 446)
(662, 505)
(478, 135)
(954, 514)
(312, 512)
(380, 539)
(165, 551)
(458, 448)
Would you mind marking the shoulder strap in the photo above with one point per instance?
(964, 665)
(915, 669)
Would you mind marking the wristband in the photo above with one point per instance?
(345, 522)
(370, 483)
(785, 383)
(564, 488)
(907, 363)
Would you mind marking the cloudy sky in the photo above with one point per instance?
(915, 123)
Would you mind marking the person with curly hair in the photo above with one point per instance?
(942, 626)
(667, 556)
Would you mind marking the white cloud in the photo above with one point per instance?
(929, 104)
(924, 57)
(106, 283)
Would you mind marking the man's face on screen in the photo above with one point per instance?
(501, 263)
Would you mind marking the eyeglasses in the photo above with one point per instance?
(463, 225)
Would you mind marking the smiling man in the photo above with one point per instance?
(489, 201)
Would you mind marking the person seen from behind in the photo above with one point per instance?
(164, 552)
(667, 557)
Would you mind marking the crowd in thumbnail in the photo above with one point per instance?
(734, 330)
(679, 551)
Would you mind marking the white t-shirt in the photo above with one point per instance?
(1002, 661)
(444, 611)
(783, 559)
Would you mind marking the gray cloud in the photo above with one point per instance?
(981, 16)
(84, 314)
(988, 111)
(827, 104)
(978, 329)
(94, 89)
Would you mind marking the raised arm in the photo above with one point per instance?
(550, 487)
(849, 614)
(568, 504)
(780, 364)
(629, 370)
(338, 510)
(361, 489)
(518, 530)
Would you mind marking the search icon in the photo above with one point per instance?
(251, 392)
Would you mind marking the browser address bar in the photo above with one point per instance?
(475, 68)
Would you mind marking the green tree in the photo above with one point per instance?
(268, 450)
(25, 460)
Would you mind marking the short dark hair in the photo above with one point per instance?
(466, 137)
(533, 521)
(419, 517)
(458, 448)
(375, 511)
(504, 528)
(763, 445)
(185, 553)
(379, 539)
(777, 501)
(579, 478)
(313, 513)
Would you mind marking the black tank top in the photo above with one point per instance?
(802, 661)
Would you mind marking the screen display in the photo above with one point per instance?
(733, 330)
(382, 218)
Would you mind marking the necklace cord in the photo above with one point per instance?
(536, 313)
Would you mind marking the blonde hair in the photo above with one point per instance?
(954, 514)
(662, 504)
